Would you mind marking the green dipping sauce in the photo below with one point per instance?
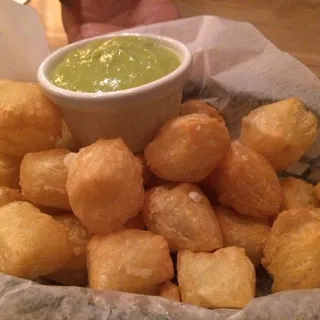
(115, 64)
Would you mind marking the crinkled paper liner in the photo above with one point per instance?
(235, 69)
(26, 300)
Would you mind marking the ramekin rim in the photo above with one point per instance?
(63, 93)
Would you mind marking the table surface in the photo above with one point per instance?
(292, 25)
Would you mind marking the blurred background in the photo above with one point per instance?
(292, 25)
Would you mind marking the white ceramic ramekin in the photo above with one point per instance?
(133, 114)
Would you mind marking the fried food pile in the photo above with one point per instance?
(103, 217)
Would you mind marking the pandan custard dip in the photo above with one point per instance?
(114, 64)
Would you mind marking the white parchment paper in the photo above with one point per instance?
(236, 69)
(23, 44)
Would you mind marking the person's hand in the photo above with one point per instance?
(88, 18)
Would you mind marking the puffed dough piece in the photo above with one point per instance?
(170, 291)
(43, 177)
(223, 279)
(298, 194)
(245, 182)
(29, 122)
(242, 231)
(79, 237)
(8, 195)
(292, 251)
(9, 171)
(129, 261)
(281, 132)
(183, 216)
(74, 272)
(32, 243)
(198, 106)
(105, 185)
(187, 148)
(152, 290)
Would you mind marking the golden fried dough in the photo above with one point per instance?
(9, 171)
(8, 195)
(198, 106)
(79, 237)
(298, 194)
(153, 290)
(32, 243)
(183, 216)
(223, 279)
(282, 132)
(170, 291)
(245, 182)
(292, 251)
(74, 272)
(105, 185)
(67, 141)
(146, 172)
(135, 222)
(242, 231)
(43, 177)
(129, 260)
(187, 148)
(29, 122)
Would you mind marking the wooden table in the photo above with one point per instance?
(292, 25)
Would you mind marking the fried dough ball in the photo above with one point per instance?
(292, 251)
(282, 132)
(243, 231)
(170, 291)
(245, 182)
(129, 260)
(74, 272)
(187, 148)
(67, 141)
(198, 106)
(9, 171)
(105, 185)
(79, 237)
(43, 177)
(222, 279)
(135, 222)
(298, 194)
(8, 195)
(32, 243)
(183, 216)
(29, 122)
(153, 290)
(146, 172)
